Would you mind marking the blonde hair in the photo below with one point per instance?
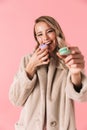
(55, 25)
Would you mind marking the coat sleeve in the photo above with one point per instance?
(21, 86)
(72, 93)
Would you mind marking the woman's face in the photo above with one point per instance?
(45, 34)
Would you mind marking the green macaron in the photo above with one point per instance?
(64, 51)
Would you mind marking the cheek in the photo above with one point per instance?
(39, 40)
(54, 39)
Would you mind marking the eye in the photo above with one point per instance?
(50, 30)
(38, 35)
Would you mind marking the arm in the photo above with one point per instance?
(71, 91)
(25, 79)
(21, 86)
(75, 63)
(77, 82)
(76, 85)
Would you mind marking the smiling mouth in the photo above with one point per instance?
(49, 42)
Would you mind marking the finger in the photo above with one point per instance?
(44, 53)
(45, 58)
(78, 66)
(46, 62)
(61, 57)
(42, 50)
(77, 61)
(74, 50)
(74, 56)
(37, 50)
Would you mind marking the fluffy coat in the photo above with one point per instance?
(47, 99)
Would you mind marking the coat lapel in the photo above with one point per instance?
(51, 75)
(46, 79)
(42, 77)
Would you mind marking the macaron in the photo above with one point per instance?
(43, 46)
(64, 51)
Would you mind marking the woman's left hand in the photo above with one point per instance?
(75, 61)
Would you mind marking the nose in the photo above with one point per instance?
(45, 37)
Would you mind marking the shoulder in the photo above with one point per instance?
(27, 56)
(25, 59)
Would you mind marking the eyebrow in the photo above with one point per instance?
(38, 32)
(46, 30)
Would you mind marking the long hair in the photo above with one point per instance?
(53, 24)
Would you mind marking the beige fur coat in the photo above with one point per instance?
(47, 99)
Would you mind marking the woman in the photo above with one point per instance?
(47, 83)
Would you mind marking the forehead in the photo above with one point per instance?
(41, 26)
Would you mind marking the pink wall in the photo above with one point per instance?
(16, 39)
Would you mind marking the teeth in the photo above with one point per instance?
(47, 42)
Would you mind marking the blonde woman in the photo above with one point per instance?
(47, 82)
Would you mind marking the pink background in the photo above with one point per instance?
(16, 39)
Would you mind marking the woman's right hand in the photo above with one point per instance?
(39, 57)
